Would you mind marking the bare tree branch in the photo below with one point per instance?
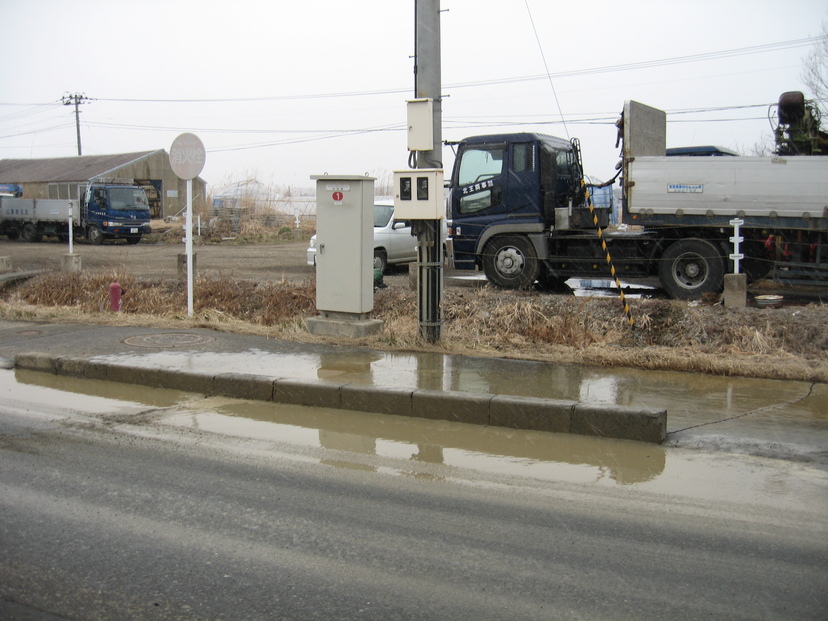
(815, 71)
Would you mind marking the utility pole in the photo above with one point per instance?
(76, 99)
(428, 85)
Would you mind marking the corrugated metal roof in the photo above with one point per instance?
(78, 168)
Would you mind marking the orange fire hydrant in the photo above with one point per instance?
(115, 293)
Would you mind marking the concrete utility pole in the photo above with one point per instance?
(428, 85)
(76, 99)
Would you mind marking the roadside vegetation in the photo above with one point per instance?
(779, 343)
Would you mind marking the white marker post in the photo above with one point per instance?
(187, 156)
(736, 240)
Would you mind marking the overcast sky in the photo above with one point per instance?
(279, 90)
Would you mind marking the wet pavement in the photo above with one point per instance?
(762, 417)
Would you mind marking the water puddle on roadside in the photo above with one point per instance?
(404, 446)
(690, 399)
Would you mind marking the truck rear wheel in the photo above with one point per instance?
(690, 268)
(510, 262)
(30, 234)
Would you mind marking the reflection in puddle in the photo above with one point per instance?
(705, 396)
(101, 393)
(494, 449)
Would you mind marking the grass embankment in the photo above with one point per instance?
(780, 343)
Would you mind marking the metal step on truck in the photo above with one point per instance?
(520, 211)
(107, 211)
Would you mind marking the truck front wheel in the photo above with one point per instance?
(690, 268)
(94, 235)
(510, 262)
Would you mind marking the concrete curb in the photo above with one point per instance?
(516, 412)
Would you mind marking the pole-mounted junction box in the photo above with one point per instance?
(418, 194)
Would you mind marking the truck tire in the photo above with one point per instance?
(94, 235)
(30, 234)
(134, 239)
(510, 262)
(690, 268)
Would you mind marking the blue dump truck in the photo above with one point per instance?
(519, 209)
(107, 211)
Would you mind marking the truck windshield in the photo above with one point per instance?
(128, 199)
(480, 163)
(479, 166)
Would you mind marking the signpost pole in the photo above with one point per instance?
(189, 247)
(187, 161)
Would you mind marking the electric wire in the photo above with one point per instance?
(546, 68)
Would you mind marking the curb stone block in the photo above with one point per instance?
(460, 407)
(531, 413)
(314, 394)
(379, 399)
(185, 381)
(624, 423)
(36, 361)
(244, 386)
(78, 367)
(143, 376)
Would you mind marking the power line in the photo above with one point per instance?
(648, 64)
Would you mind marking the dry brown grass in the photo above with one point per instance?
(783, 343)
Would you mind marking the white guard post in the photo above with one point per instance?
(736, 240)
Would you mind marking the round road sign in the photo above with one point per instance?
(187, 156)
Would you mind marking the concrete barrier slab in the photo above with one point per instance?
(379, 399)
(314, 394)
(531, 413)
(461, 407)
(624, 423)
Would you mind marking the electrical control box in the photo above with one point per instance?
(344, 244)
(420, 124)
(419, 195)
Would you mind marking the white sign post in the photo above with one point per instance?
(187, 161)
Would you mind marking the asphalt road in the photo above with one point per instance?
(107, 514)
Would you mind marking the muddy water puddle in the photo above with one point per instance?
(691, 400)
(440, 450)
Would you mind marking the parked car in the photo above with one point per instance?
(393, 242)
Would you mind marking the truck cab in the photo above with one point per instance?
(112, 211)
(506, 192)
